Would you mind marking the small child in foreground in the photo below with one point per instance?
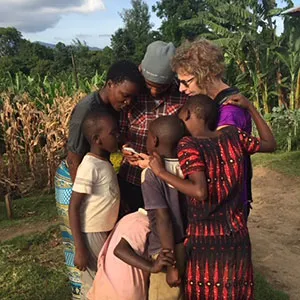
(123, 267)
(165, 207)
(95, 199)
(218, 247)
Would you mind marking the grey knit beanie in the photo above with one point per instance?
(156, 65)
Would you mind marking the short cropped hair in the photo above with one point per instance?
(92, 123)
(200, 58)
(204, 108)
(125, 70)
(169, 130)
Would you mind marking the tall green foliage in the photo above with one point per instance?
(263, 65)
(173, 12)
(131, 41)
(288, 53)
(246, 31)
(286, 127)
(32, 59)
(10, 40)
(44, 89)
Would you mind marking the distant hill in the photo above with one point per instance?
(94, 48)
(52, 46)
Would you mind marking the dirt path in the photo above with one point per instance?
(274, 226)
(12, 232)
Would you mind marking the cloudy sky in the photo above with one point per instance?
(52, 21)
(60, 20)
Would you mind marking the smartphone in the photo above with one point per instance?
(129, 149)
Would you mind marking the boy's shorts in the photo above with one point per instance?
(159, 288)
(94, 242)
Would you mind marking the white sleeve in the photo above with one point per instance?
(86, 177)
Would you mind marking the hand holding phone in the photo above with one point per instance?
(129, 149)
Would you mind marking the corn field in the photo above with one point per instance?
(34, 116)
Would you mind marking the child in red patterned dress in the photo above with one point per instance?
(218, 247)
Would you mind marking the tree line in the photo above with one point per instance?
(40, 85)
(264, 65)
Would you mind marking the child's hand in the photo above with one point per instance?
(129, 156)
(156, 164)
(142, 162)
(173, 279)
(164, 259)
(239, 100)
(81, 258)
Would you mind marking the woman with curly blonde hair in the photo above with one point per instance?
(216, 275)
(200, 68)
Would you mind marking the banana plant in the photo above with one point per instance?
(291, 59)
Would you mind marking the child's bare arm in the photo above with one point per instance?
(267, 140)
(125, 252)
(195, 186)
(74, 161)
(268, 143)
(166, 235)
(81, 251)
(164, 229)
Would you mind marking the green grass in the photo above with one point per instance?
(264, 291)
(29, 210)
(32, 267)
(287, 163)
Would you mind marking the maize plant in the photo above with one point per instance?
(11, 132)
(34, 114)
(29, 118)
(55, 132)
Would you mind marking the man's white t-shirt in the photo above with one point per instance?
(98, 179)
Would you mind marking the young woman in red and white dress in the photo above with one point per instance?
(218, 246)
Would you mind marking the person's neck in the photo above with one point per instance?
(215, 87)
(166, 152)
(202, 131)
(104, 95)
(98, 152)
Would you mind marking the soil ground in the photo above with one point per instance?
(9, 233)
(274, 225)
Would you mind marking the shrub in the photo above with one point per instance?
(286, 127)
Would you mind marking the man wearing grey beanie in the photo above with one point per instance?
(162, 98)
(155, 66)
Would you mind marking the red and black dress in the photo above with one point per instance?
(218, 247)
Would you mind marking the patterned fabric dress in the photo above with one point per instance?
(63, 191)
(218, 246)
